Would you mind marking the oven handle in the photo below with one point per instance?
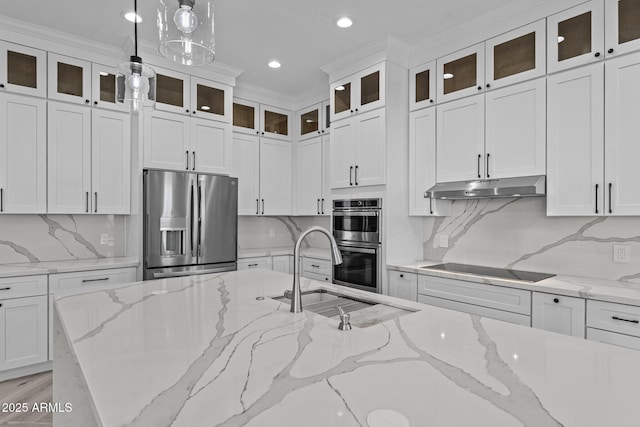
(358, 249)
(352, 213)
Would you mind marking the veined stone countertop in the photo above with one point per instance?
(310, 252)
(572, 286)
(203, 350)
(67, 266)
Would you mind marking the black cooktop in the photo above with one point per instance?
(500, 273)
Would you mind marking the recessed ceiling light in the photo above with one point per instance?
(205, 108)
(560, 39)
(344, 22)
(340, 88)
(274, 64)
(447, 76)
(131, 16)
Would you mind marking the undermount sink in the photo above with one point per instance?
(363, 313)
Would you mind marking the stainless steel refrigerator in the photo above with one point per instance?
(190, 223)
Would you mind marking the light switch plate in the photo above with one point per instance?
(443, 241)
(622, 254)
(104, 238)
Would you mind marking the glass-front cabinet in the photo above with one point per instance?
(246, 116)
(69, 79)
(575, 36)
(275, 122)
(357, 93)
(422, 86)
(172, 91)
(622, 26)
(313, 121)
(103, 87)
(461, 73)
(210, 100)
(23, 69)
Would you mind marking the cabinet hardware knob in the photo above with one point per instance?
(488, 85)
(193, 112)
(187, 111)
(1, 85)
(263, 133)
(431, 101)
(402, 275)
(556, 300)
(351, 111)
(95, 102)
(86, 101)
(257, 207)
(597, 54)
(257, 132)
(479, 87)
(322, 130)
(356, 110)
(610, 51)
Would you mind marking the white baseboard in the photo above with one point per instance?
(26, 370)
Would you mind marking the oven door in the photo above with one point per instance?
(358, 226)
(360, 267)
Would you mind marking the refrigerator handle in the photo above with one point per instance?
(200, 207)
(191, 220)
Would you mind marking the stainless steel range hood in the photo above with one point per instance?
(527, 186)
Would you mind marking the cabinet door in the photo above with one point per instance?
(371, 143)
(275, 123)
(461, 73)
(309, 122)
(23, 69)
(516, 56)
(575, 36)
(622, 26)
(342, 99)
(309, 176)
(210, 146)
(246, 116)
(210, 100)
(275, 177)
(403, 285)
(23, 332)
(422, 164)
(558, 313)
(69, 79)
(460, 142)
(110, 162)
(575, 146)
(246, 166)
(516, 130)
(166, 141)
(370, 88)
(23, 154)
(325, 197)
(422, 86)
(103, 87)
(622, 127)
(172, 91)
(343, 148)
(281, 263)
(69, 158)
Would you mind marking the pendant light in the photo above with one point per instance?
(186, 32)
(135, 82)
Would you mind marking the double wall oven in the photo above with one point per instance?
(357, 225)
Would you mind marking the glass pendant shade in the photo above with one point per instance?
(186, 32)
(135, 85)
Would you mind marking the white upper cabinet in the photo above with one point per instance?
(312, 121)
(275, 123)
(575, 146)
(575, 36)
(343, 140)
(246, 116)
(275, 177)
(516, 56)
(69, 79)
(246, 166)
(172, 91)
(23, 154)
(461, 73)
(422, 86)
(312, 192)
(622, 26)
(358, 93)
(422, 164)
(23, 70)
(166, 141)
(103, 88)
(210, 146)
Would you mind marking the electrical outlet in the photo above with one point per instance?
(622, 254)
(443, 241)
(272, 232)
(104, 238)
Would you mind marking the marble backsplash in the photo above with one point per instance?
(516, 233)
(34, 238)
(279, 231)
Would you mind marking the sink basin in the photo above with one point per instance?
(363, 313)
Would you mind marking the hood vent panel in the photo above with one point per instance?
(527, 186)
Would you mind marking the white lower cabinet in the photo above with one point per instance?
(613, 323)
(316, 269)
(23, 321)
(403, 285)
(282, 263)
(255, 262)
(558, 313)
(613, 338)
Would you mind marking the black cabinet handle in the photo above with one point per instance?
(597, 54)
(315, 266)
(1, 199)
(431, 101)
(86, 101)
(488, 176)
(194, 161)
(556, 300)
(351, 111)
(252, 265)
(318, 206)
(257, 206)
(624, 320)
(102, 279)
(322, 206)
(8, 288)
(479, 87)
(186, 153)
(431, 205)
(1, 85)
(350, 175)
(610, 51)
(488, 85)
(95, 206)
(86, 207)
(356, 175)
(262, 206)
(479, 158)
(95, 102)
(597, 198)
(610, 208)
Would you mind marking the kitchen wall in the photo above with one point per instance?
(34, 238)
(516, 233)
(279, 231)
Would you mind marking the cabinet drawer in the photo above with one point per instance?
(317, 266)
(506, 316)
(613, 338)
(114, 276)
(498, 297)
(257, 262)
(403, 285)
(624, 319)
(316, 276)
(27, 286)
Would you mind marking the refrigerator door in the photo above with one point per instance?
(170, 218)
(217, 219)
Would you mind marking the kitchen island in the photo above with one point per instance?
(215, 350)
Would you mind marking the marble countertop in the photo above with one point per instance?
(573, 286)
(205, 350)
(321, 253)
(68, 266)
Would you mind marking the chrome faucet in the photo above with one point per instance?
(296, 299)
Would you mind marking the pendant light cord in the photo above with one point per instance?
(135, 24)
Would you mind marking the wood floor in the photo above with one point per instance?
(36, 388)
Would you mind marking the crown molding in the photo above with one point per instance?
(263, 96)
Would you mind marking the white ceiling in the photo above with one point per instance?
(301, 34)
